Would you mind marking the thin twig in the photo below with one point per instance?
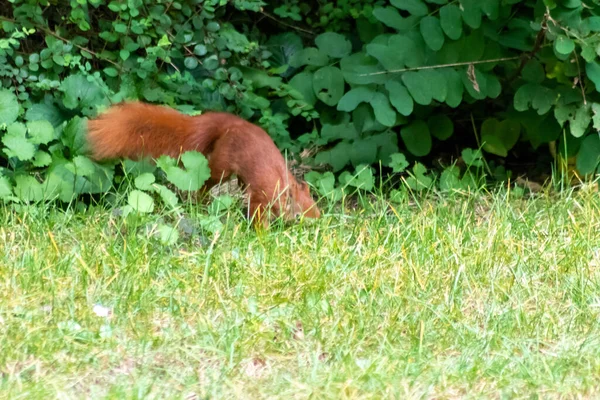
(266, 14)
(460, 64)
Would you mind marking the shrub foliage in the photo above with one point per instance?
(362, 82)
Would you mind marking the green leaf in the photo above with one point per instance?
(450, 179)
(303, 83)
(417, 138)
(45, 111)
(41, 159)
(564, 45)
(440, 126)
(473, 158)
(79, 93)
(541, 98)
(419, 180)
(413, 7)
(28, 189)
(112, 72)
(169, 235)
(140, 201)
(357, 68)
(579, 117)
(333, 44)
(16, 142)
(5, 188)
(193, 177)
(361, 179)
(588, 157)
(338, 157)
(399, 97)
(592, 70)
(451, 21)
(328, 84)
(40, 132)
(363, 151)
(309, 56)
(432, 32)
(389, 57)
(384, 113)
(455, 87)
(9, 107)
(418, 87)
(391, 17)
(471, 12)
(354, 97)
(398, 162)
(331, 132)
(74, 135)
(144, 181)
(499, 137)
(190, 62)
(166, 194)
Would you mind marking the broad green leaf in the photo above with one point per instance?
(450, 179)
(40, 132)
(331, 132)
(418, 87)
(398, 162)
(455, 87)
(144, 181)
(451, 21)
(338, 157)
(354, 97)
(364, 151)
(333, 44)
(309, 56)
(328, 84)
(41, 159)
(417, 138)
(303, 83)
(166, 194)
(588, 157)
(471, 157)
(46, 111)
(564, 45)
(361, 179)
(419, 180)
(437, 83)
(9, 107)
(74, 135)
(169, 235)
(364, 120)
(491, 8)
(413, 7)
(412, 48)
(191, 178)
(391, 17)
(190, 62)
(80, 93)
(596, 116)
(388, 56)
(16, 142)
(361, 69)
(384, 113)
(28, 189)
(140, 201)
(471, 12)
(593, 72)
(432, 32)
(5, 188)
(399, 97)
(440, 126)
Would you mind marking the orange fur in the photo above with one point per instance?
(231, 144)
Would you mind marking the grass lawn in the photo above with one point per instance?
(485, 296)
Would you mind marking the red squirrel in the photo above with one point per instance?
(231, 144)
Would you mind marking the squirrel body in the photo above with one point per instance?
(231, 144)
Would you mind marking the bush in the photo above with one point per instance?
(363, 82)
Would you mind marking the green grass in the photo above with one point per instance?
(460, 297)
